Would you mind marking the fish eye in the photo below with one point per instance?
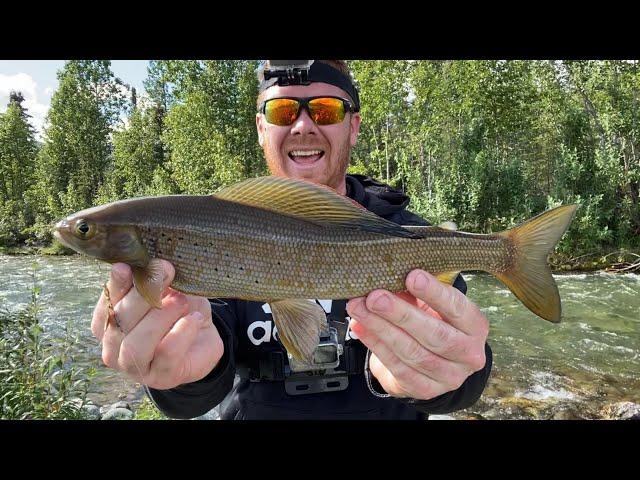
(84, 229)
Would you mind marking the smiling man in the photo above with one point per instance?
(305, 150)
(389, 356)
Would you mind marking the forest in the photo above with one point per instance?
(486, 144)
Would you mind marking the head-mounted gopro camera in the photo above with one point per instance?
(304, 72)
(288, 72)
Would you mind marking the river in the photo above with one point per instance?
(589, 360)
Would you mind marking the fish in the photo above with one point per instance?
(284, 241)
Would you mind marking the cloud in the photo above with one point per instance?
(22, 82)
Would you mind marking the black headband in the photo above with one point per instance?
(318, 72)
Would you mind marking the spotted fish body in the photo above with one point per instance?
(231, 250)
(283, 241)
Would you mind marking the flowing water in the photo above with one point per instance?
(70, 287)
(589, 360)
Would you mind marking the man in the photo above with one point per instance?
(404, 355)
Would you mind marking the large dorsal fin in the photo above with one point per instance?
(311, 202)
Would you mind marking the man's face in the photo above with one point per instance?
(287, 148)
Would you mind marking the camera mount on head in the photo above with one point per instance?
(288, 72)
(304, 72)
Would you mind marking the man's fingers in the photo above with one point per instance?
(395, 376)
(171, 360)
(452, 305)
(149, 332)
(127, 311)
(411, 334)
(119, 283)
(386, 310)
(132, 308)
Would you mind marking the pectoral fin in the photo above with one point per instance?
(299, 324)
(148, 281)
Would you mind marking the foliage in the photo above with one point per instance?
(210, 129)
(491, 143)
(39, 378)
(77, 145)
(18, 150)
(148, 411)
(138, 153)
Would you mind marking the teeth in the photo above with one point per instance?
(305, 153)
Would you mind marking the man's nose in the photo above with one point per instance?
(304, 124)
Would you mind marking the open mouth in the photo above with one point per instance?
(306, 157)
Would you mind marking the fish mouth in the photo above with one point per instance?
(60, 227)
(306, 156)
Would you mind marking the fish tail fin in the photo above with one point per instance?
(530, 277)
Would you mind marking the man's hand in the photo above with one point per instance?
(161, 348)
(424, 342)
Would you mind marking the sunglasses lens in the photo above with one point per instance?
(281, 111)
(326, 111)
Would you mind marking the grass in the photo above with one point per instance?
(55, 248)
(148, 411)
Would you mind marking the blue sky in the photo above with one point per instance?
(37, 81)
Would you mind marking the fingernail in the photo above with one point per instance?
(420, 281)
(355, 307)
(382, 303)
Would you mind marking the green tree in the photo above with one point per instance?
(18, 150)
(158, 84)
(602, 131)
(382, 144)
(137, 158)
(210, 129)
(77, 145)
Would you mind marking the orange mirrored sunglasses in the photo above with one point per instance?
(284, 111)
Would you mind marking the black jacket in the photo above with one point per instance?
(246, 329)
